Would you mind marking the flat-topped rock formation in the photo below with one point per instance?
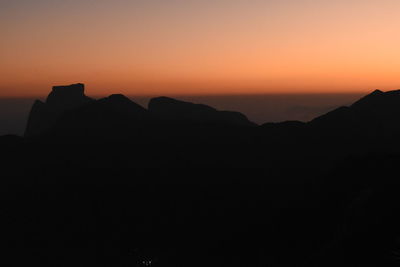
(61, 99)
(67, 97)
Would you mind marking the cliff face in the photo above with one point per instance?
(61, 99)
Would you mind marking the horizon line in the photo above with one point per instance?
(204, 94)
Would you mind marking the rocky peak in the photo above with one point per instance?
(378, 98)
(60, 100)
(78, 88)
(66, 97)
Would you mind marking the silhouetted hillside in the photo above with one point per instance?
(177, 133)
(172, 109)
(116, 116)
(112, 117)
(110, 183)
(375, 115)
(43, 116)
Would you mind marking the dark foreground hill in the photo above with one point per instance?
(111, 183)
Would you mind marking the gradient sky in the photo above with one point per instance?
(199, 47)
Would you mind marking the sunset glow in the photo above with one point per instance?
(199, 47)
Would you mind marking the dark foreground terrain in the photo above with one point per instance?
(110, 183)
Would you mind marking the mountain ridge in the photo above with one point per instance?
(116, 185)
(64, 101)
(373, 115)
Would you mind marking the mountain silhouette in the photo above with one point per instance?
(370, 123)
(172, 109)
(112, 117)
(373, 116)
(68, 111)
(108, 182)
(60, 100)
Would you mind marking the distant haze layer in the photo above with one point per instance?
(200, 46)
(258, 108)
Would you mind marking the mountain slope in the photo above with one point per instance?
(172, 109)
(375, 115)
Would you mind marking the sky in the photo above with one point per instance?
(154, 47)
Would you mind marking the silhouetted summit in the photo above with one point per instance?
(61, 99)
(110, 117)
(172, 109)
(67, 97)
(122, 104)
(370, 98)
(378, 99)
(375, 115)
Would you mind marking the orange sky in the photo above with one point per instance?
(199, 47)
